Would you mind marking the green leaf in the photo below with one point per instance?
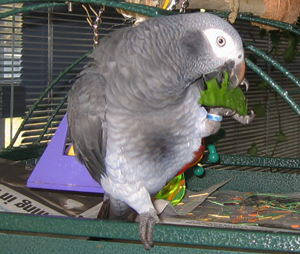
(289, 55)
(216, 96)
(281, 137)
(253, 150)
(259, 110)
(291, 52)
(262, 85)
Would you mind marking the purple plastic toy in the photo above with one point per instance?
(58, 171)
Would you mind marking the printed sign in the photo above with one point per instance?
(13, 201)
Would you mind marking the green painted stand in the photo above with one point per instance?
(29, 234)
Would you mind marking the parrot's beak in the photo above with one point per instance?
(237, 73)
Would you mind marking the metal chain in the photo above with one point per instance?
(185, 4)
(172, 6)
(96, 24)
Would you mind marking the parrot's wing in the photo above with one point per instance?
(87, 120)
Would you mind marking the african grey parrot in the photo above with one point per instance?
(133, 113)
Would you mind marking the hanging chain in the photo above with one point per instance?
(173, 4)
(185, 4)
(95, 24)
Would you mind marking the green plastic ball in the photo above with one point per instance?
(199, 171)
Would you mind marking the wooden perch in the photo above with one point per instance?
(256, 7)
(281, 10)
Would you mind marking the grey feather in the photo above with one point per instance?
(87, 122)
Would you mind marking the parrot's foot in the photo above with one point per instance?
(228, 112)
(244, 119)
(147, 223)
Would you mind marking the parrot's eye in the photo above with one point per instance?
(221, 41)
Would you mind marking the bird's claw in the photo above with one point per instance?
(245, 83)
(244, 119)
(147, 223)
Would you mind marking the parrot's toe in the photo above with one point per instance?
(147, 224)
(222, 111)
(245, 83)
(244, 119)
(104, 210)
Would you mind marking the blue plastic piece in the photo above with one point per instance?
(58, 171)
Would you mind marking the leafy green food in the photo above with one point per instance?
(259, 110)
(216, 96)
(253, 150)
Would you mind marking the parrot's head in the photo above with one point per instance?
(210, 46)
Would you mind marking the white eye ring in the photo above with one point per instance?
(221, 41)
